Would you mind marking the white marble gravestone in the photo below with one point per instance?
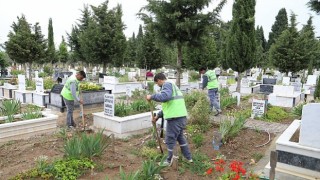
(223, 80)
(245, 82)
(39, 85)
(258, 108)
(312, 80)
(310, 126)
(286, 81)
(110, 79)
(22, 82)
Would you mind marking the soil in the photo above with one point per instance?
(18, 156)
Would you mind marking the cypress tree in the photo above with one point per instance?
(241, 45)
(51, 51)
(278, 27)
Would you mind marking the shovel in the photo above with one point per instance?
(82, 113)
(155, 127)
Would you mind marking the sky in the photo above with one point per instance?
(64, 14)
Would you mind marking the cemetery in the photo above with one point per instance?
(252, 104)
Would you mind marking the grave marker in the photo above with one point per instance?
(109, 105)
(223, 80)
(22, 82)
(258, 108)
(245, 82)
(39, 85)
(286, 81)
(110, 79)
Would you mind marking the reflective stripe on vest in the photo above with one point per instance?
(66, 92)
(175, 107)
(212, 80)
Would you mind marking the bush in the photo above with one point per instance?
(197, 140)
(150, 153)
(297, 110)
(230, 130)
(10, 108)
(200, 112)
(275, 114)
(150, 169)
(89, 86)
(48, 70)
(201, 162)
(48, 83)
(192, 97)
(151, 87)
(227, 102)
(194, 76)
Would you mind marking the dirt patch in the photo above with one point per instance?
(18, 156)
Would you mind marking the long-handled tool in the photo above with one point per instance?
(82, 113)
(155, 127)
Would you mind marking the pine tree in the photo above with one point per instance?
(287, 53)
(63, 55)
(140, 56)
(241, 45)
(278, 27)
(314, 5)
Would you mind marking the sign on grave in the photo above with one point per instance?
(110, 79)
(39, 85)
(223, 80)
(258, 108)
(109, 105)
(143, 73)
(269, 81)
(245, 82)
(22, 82)
(131, 76)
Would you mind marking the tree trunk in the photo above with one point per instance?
(239, 82)
(30, 68)
(104, 67)
(179, 63)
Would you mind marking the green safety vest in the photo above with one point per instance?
(66, 92)
(212, 80)
(175, 107)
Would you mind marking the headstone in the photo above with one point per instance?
(223, 80)
(128, 90)
(312, 80)
(131, 76)
(310, 126)
(57, 88)
(238, 95)
(290, 74)
(286, 81)
(185, 78)
(122, 71)
(109, 105)
(266, 88)
(142, 73)
(269, 81)
(258, 108)
(283, 90)
(110, 79)
(36, 74)
(297, 86)
(245, 82)
(317, 73)
(22, 82)
(39, 85)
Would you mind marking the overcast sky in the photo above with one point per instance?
(64, 13)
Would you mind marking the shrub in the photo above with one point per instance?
(231, 81)
(316, 94)
(42, 74)
(192, 97)
(151, 143)
(150, 169)
(297, 110)
(275, 114)
(48, 83)
(121, 109)
(201, 162)
(224, 92)
(31, 114)
(48, 70)
(10, 108)
(151, 87)
(200, 112)
(123, 78)
(230, 130)
(89, 86)
(194, 76)
(150, 153)
(227, 102)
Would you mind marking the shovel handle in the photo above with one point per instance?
(155, 127)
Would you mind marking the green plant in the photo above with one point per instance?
(316, 93)
(31, 114)
(194, 76)
(152, 143)
(275, 114)
(201, 162)
(86, 146)
(229, 130)
(192, 97)
(197, 139)
(231, 81)
(224, 92)
(227, 102)
(31, 85)
(42, 74)
(48, 70)
(16, 72)
(150, 153)
(89, 86)
(121, 109)
(129, 176)
(137, 94)
(150, 170)
(200, 112)
(257, 156)
(48, 83)
(151, 87)
(123, 78)
(297, 110)
(9, 108)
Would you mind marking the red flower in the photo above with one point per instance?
(209, 171)
(237, 177)
(219, 168)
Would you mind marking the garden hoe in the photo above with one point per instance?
(155, 127)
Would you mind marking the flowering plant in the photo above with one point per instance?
(236, 171)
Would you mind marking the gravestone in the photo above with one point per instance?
(110, 79)
(36, 74)
(310, 126)
(22, 82)
(286, 81)
(245, 82)
(283, 90)
(312, 80)
(39, 85)
(128, 90)
(131, 76)
(258, 108)
(122, 71)
(238, 95)
(223, 80)
(109, 105)
(185, 78)
(57, 88)
(297, 86)
(142, 73)
(269, 81)
(266, 88)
